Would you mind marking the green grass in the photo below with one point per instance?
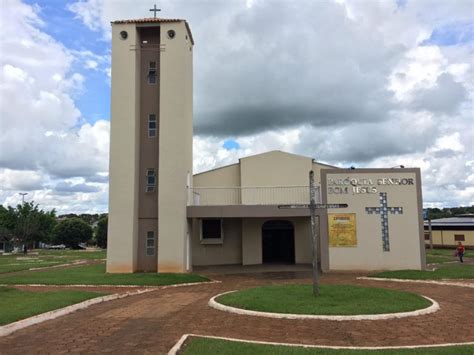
(441, 252)
(95, 275)
(18, 304)
(45, 258)
(458, 271)
(333, 300)
(435, 259)
(205, 346)
(439, 256)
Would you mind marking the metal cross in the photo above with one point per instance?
(383, 211)
(155, 10)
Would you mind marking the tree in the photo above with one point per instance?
(101, 232)
(26, 223)
(71, 232)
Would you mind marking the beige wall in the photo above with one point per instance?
(124, 158)
(217, 187)
(229, 252)
(227, 176)
(275, 168)
(404, 229)
(252, 241)
(446, 237)
(176, 138)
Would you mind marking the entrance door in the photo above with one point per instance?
(278, 242)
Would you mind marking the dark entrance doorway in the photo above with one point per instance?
(278, 242)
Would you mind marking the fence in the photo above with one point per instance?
(275, 195)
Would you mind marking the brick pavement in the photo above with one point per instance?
(153, 322)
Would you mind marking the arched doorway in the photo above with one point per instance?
(278, 242)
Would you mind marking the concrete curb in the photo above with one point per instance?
(433, 282)
(177, 347)
(77, 263)
(43, 317)
(219, 306)
(111, 286)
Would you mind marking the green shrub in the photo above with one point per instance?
(71, 232)
(101, 233)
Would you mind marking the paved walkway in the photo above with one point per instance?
(154, 322)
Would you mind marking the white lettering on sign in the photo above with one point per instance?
(357, 186)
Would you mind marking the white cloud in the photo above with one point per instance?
(43, 137)
(346, 81)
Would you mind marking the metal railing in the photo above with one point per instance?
(257, 195)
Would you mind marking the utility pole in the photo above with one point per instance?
(313, 206)
(429, 229)
(314, 233)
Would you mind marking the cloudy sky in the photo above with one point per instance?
(362, 83)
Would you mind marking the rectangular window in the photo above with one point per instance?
(150, 180)
(459, 238)
(427, 236)
(152, 73)
(211, 231)
(150, 243)
(151, 125)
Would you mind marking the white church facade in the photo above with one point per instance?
(163, 218)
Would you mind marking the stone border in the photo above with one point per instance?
(76, 263)
(56, 313)
(112, 286)
(219, 306)
(178, 346)
(433, 282)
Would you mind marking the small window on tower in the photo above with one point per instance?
(152, 73)
(150, 180)
(152, 125)
(150, 243)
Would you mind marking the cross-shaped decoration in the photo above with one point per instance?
(383, 211)
(155, 10)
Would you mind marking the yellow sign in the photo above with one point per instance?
(342, 230)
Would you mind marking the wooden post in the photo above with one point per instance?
(431, 234)
(314, 233)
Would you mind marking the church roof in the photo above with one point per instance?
(156, 20)
(148, 20)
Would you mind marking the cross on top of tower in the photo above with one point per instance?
(155, 10)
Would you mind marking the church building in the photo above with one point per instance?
(163, 218)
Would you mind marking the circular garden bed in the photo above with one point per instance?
(340, 300)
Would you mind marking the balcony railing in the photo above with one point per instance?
(224, 196)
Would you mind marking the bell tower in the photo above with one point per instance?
(150, 145)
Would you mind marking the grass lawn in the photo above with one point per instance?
(457, 271)
(206, 346)
(333, 300)
(44, 258)
(438, 256)
(18, 304)
(95, 275)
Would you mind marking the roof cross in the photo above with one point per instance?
(155, 10)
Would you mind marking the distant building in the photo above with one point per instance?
(447, 232)
(5, 246)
